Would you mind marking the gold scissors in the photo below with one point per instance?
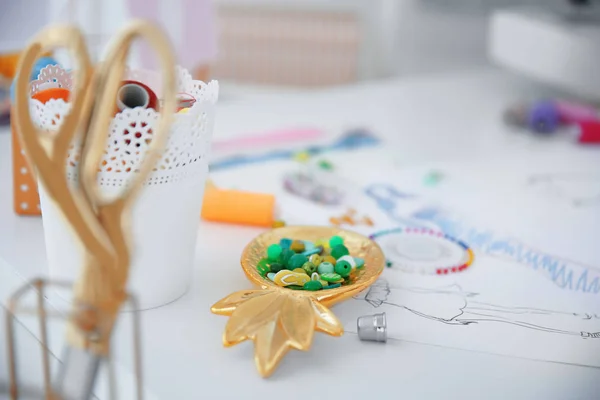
(100, 223)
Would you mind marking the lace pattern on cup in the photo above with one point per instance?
(130, 132)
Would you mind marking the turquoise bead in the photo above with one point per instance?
(343, 268)
(314, 250)
(359, 262)
(285, 243)
(335, 241)
(273, 252)
(339, 251)
(286, 254)
(297, 261)
(308, 245)
(271, 275)
(313, 285)
(332, 286)
(325, 268)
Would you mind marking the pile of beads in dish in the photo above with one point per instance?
(304, 265)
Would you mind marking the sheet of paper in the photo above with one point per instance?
(533, 290)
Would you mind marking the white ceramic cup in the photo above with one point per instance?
(165, 221)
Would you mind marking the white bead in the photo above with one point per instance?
(349, 259)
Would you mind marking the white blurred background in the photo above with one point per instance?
(308, 42)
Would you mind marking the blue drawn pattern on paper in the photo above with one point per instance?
(351, 140)
(387, 198)
(566, 274)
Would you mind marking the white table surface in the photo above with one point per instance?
(419, 119)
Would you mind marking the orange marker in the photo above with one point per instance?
(237, 207)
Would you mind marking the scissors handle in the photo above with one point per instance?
(105, 288)
(47, 151)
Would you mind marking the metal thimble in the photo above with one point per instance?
(372, 327)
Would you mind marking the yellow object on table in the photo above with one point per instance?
(238, 207)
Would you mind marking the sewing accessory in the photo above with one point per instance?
(185, 100)
(588, 132)
(52, 93)
(100, 223)
(288, 255)
(372, 328)
(134, 94)
(350, 218)
(426, 263)
(278, 319)
(239, 207)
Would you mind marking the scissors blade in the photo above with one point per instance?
(77, 374)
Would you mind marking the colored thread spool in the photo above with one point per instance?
(238, 207)
(134, 94)
(41, 63)
(573, 113)
(543, 117)
(184, 101)
(52, 93)
(589, 132)
(433, 269)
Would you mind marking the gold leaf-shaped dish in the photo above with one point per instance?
(277, 318)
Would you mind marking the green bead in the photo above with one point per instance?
(309, 267)
(325, 268)
(273, 252)
(297, 261)
(332, 286)
(433, 178)
(295, 287)
(276, 267)
(359, 262)
(339, 251)
(335, 241)
(286, 254)
(313, 285)
(263, 267)
(331, 277)
(343, 268)
(326, 165)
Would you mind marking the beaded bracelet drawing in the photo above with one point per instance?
(433, 270)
